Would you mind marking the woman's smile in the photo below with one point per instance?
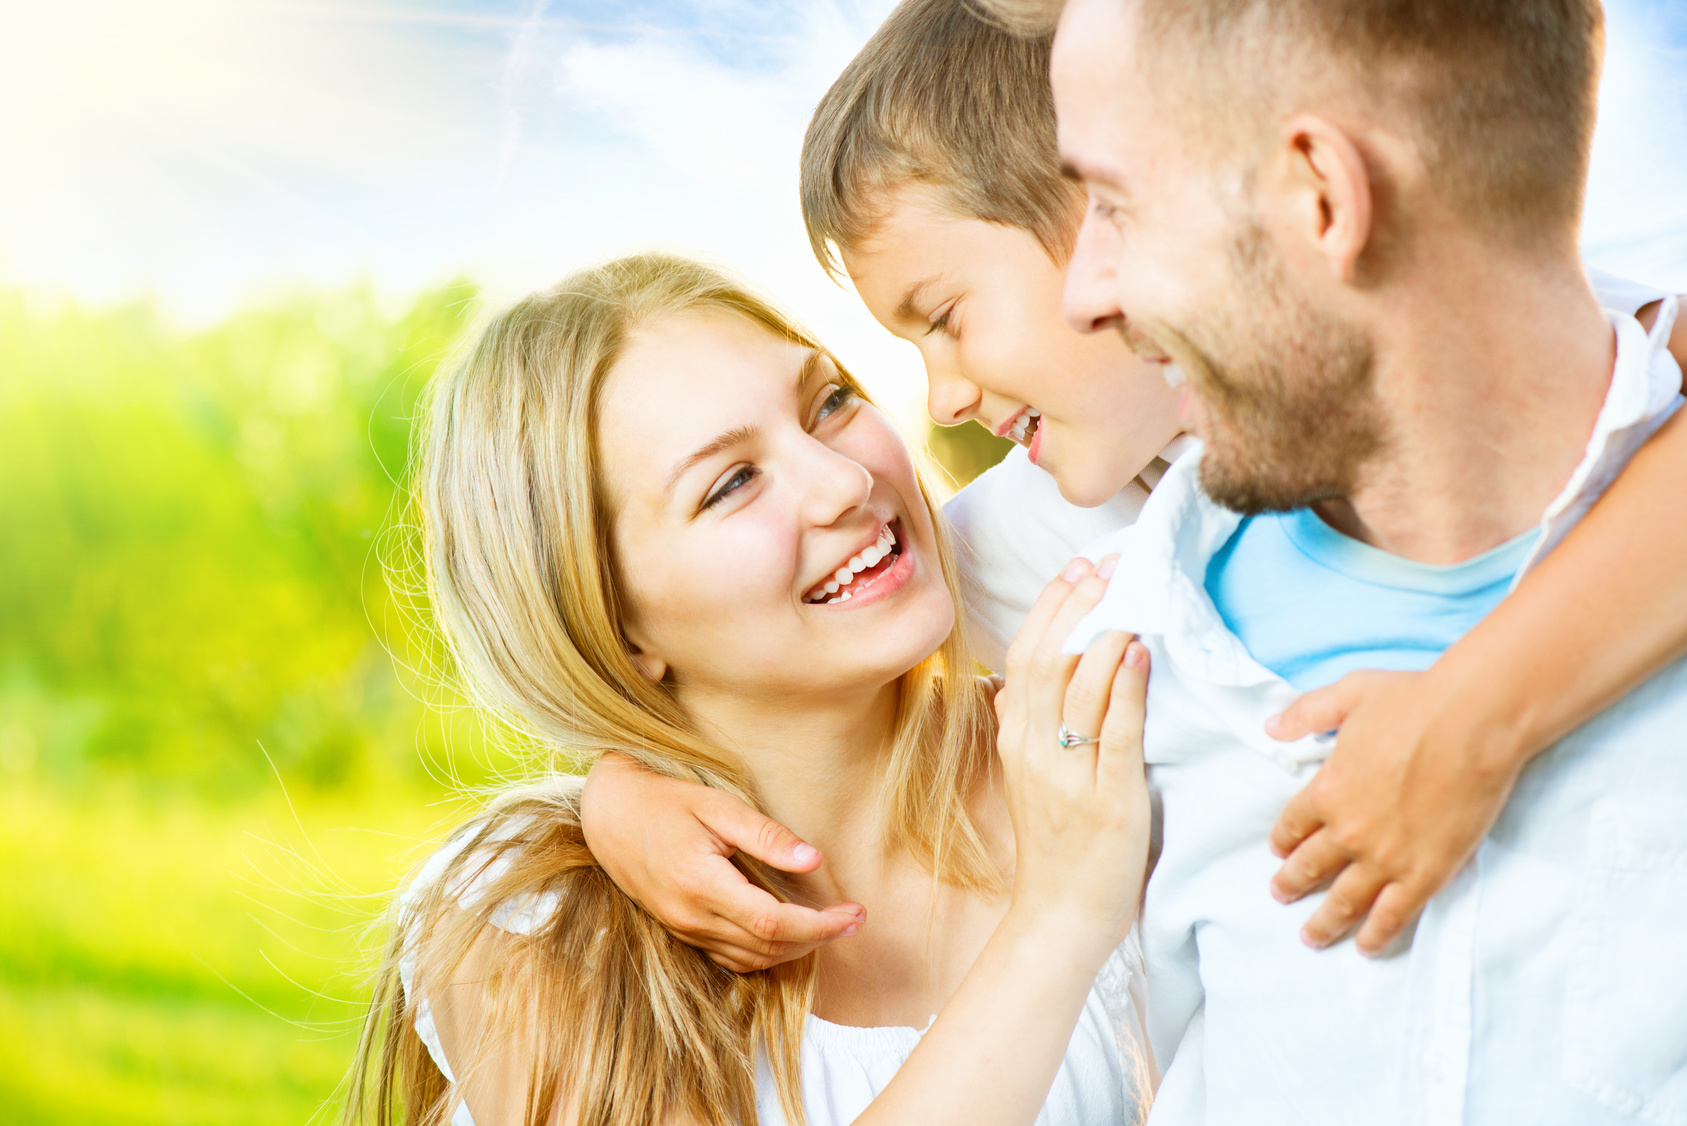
(870, 574)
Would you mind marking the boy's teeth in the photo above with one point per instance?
(831, 588)
(857, 564)
(843, 576)
(1174, 375)
(1033, 412)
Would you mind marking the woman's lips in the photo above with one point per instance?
(872, 583)
(891, 578)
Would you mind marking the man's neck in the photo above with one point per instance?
(1491, 380)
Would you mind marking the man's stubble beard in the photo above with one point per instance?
(1293, 416)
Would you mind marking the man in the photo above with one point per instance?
(1352, 228)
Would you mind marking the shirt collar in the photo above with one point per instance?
(1159, 587)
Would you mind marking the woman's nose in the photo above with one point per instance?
(833, 485)
(1091, 298)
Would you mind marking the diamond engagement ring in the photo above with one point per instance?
(1072, 739)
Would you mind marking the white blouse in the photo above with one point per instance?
(1105, 1079)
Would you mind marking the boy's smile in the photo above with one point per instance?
(981, 301)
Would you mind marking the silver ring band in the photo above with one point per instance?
(1071, 739)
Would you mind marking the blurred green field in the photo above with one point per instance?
(177, 961)
(220, 742)
(194, 630)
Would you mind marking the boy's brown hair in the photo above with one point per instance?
(939, 96)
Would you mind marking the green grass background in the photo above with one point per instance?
(221, 744)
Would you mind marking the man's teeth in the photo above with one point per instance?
(845, 575)
(1022, 425)
(1174, 376)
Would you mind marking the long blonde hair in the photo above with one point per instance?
(625, 1022)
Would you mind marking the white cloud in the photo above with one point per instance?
(207, 150)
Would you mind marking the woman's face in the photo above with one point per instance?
(982, 302)
(770, 532)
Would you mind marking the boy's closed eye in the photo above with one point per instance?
(942, 319)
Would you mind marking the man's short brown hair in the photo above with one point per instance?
(939, 96)
(1498, 95)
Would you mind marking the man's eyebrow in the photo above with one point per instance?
(737, 436)
(1095, 174)
(909, 310)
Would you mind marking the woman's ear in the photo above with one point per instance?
(650, 666)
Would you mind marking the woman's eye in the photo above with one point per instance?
(739, 477)
(837, 399)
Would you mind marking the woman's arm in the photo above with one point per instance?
(496, 1089)
(1426, 761)
(1080, 822)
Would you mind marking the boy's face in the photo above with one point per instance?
(982, 303)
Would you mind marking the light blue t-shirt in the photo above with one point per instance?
(1313, 605)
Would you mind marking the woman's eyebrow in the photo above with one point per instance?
(738, 435)
(810, 367)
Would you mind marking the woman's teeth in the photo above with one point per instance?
(845, 575)
(1025, 425)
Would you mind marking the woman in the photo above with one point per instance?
(659, 515)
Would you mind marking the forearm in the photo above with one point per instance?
(1604, 612)
(992, 1054)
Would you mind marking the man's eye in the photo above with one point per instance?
(740, 477)
(839, 398)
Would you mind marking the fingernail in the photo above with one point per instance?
(805, 853)
(849, 930)
(1075, 570)
(1108, 566)
(1274, 724)
(1279, 894)
(1312, 940)
(1134, 655)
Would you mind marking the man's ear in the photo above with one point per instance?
(1328, 189)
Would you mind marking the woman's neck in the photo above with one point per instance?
(817, 763)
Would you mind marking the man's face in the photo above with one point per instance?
(1174, 256)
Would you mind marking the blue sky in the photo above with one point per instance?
(208, 152)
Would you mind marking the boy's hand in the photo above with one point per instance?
(669, 845)
(1395, 812)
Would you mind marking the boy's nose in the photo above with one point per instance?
(1090, 301)
(950, 398)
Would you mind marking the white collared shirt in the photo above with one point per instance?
(1547, 984)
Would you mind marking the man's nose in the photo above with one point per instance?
(1090, 301)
